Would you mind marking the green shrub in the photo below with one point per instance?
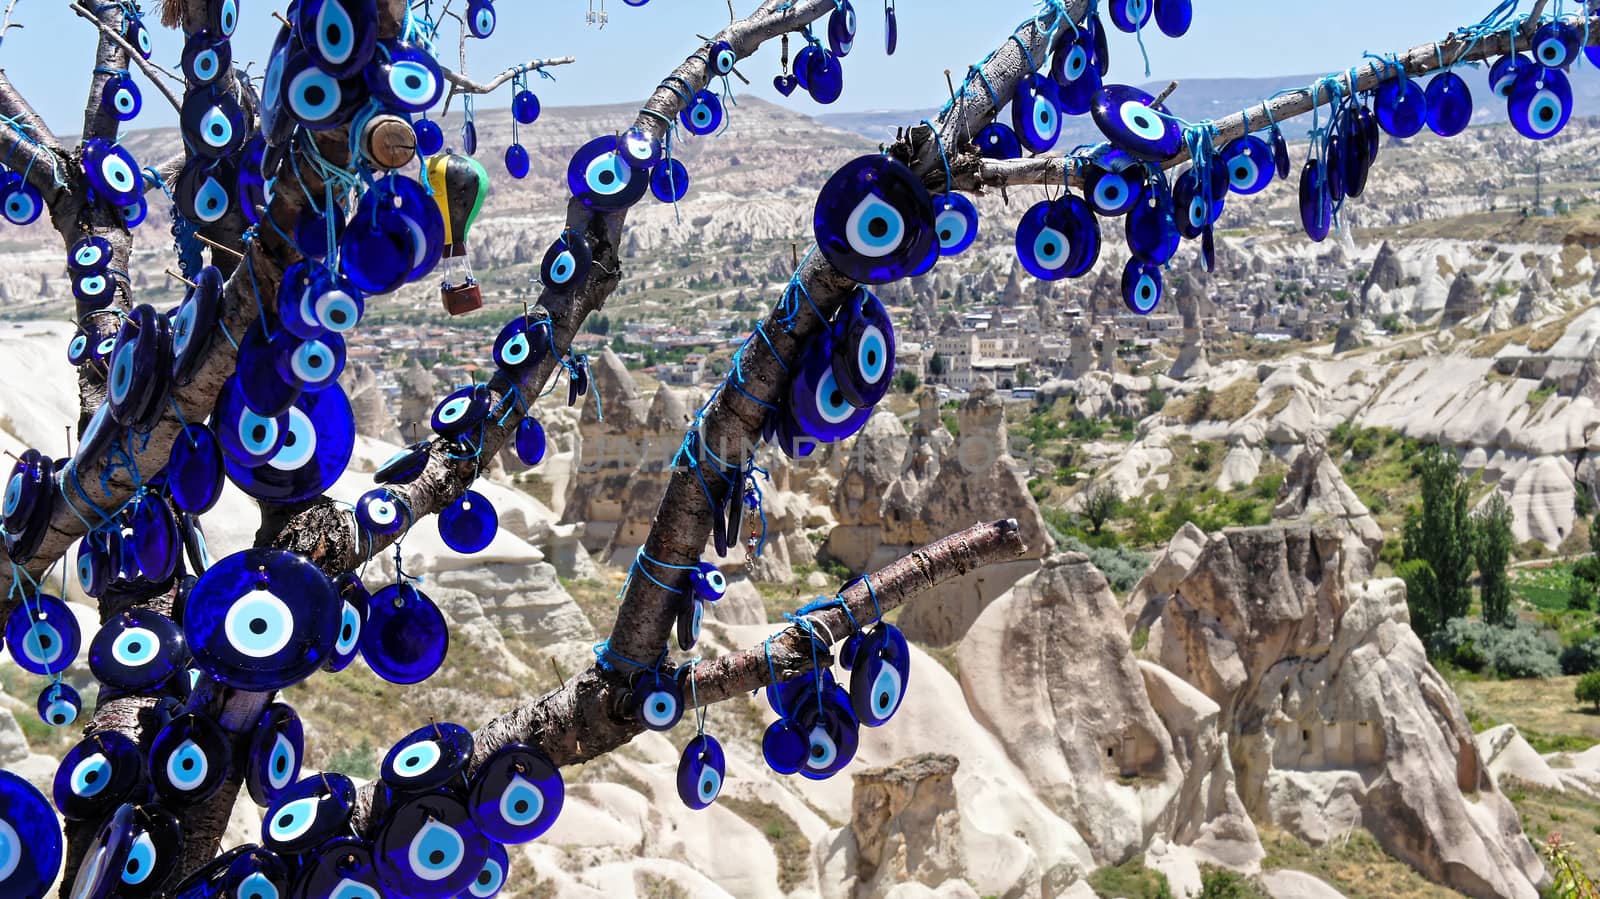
(1588, 689)
(1155, 400)
(1523, 650)
(1220, 883)
(1581, 657)
(1122, 567)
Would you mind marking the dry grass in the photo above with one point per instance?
(1539, 708)
(1234, 401)
(1354, 864)
(1545, 812)
(1279, 401)
(788, 843)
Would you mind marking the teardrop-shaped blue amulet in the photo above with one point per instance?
(874, 221)
(530, 441)
(405, 638)
(261, 619)
(700, 771)
(277, 745)
(516, 795)
(428, 847)
(1141, 286)
(30, 839)
(468, 525)
(1449, 104)
(1540, 103)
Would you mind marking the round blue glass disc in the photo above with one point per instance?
(427, 758)
(42, 635)
(318, 440)
(468, 524)
(261, 619)
(194, 471)
(137, 650)
(405, 638)
(30, 840)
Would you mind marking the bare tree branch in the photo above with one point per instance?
(326, 533)
(151, 70)
(732, 425)
(461, 84)
(109, 57)
(577, 721)
(972, 172)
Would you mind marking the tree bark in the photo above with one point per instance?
(580, 720)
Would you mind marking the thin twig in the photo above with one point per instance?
(1167, 92)
(465, 85)
(150, 69)
(5, 23)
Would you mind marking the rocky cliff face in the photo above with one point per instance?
(1333, 716)
(899, 491)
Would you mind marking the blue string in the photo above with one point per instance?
(772, 677)
(605, 658)
(939, 143)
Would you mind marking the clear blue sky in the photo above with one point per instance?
(50, 58)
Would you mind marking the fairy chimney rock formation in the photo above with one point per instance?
(906, 825)
(1335, 719)
(1464, 301)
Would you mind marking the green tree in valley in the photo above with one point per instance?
(1491, 549)
(1437, 544)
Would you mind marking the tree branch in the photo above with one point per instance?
(327, 534)
(576, 722)
(151, 70)
(109, 57)
(461, 84)
(972, 172)
(732, 424)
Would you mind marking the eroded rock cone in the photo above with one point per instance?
(1122, 750)
(1314, 492)
(1334, 717)
(906, 825)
